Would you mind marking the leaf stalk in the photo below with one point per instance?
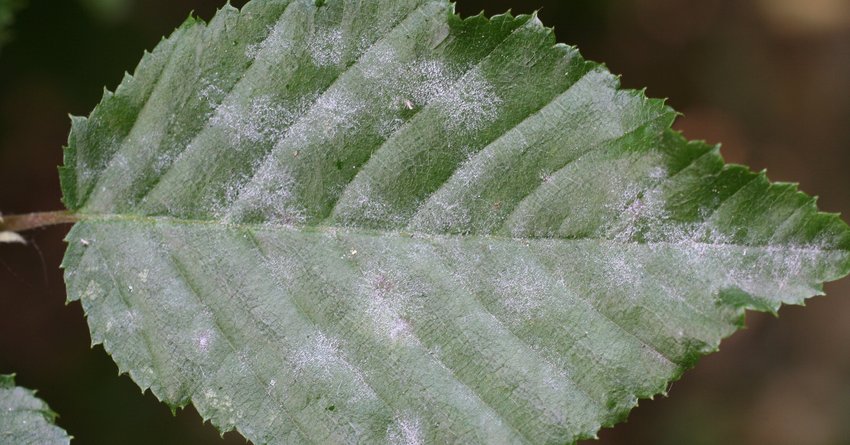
(21, 223)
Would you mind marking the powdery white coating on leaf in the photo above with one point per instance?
(366, 201)
(223, 405)
(126, 322)
(368, 234)
(406, 430)
(263, 120)
(524, 288)
(322, 359)
(278, 42)
(331, 114)
(392, 297)
(465, 98)
(327, 47)
(452, 213)
(470, 104)
(386, 310)
(640, 212)
(26, 419)
(269, 196)
(205, 339)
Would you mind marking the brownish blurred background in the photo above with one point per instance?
(769, 78)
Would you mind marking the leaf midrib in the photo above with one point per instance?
(386, 233)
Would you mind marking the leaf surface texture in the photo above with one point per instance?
(26, 419)
(377, 222)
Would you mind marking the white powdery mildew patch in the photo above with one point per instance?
(212, 92)
(327, 47)
(760, 270)
(467, 101)
(269, 196)
(641, 211)
(450, 216)
(473, 169)
(284, 268)
(381, 59)
(524, 290)
(407, 429)
(471, 105)
(623, 269)
(336, 112)
(384, 310)
(263, 120)
(322, 359)
(163, 161)
(126, 322)
(93, 291)
(392, 294)
(447, 210)
(223, 407)
(204, 339)
(367, 203)
(87, 168)
(426, 81)
(321, 355)
(556, 381)
(278, 42)
(634, 205)
(766, 271)
(386, 128)
(203, 342)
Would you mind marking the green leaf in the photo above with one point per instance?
(373, 221)
(7, 15)
(109, 11)
(25, 419)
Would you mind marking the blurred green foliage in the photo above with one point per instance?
(109, 11)
(7, 16)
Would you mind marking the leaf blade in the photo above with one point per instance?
(25, 419)
(441, 234)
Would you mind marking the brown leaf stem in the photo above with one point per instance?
(20, 223)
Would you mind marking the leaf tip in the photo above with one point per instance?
(7, 380)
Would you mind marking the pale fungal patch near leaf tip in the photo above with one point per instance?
(222, 405)
(125, 322)
(93, 290)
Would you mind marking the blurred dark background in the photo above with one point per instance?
(769, 78)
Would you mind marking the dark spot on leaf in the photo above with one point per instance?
(331, 408)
